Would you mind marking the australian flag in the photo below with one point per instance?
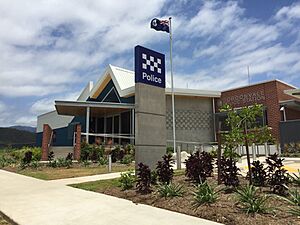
(160, 25)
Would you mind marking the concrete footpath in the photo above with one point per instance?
(29, 201)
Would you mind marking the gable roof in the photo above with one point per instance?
(123, 80)
(125, 84)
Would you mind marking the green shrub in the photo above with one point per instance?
(85, 151)
(291, 149)
(127, 159)
(294, 199)
(52, 163)
(5, 160)
(170, 190)
(20, 153)
(62, 162)
(96, 152)
(204, 194)
(129, 149)
(127, 180)
(36, 153)
(91, 152)
(250, 201)
(86, 163)
(295, 178)
(170, 150)
(213, 153)
(34, 164)
(102, 161)
(154, 177)
(117, 154)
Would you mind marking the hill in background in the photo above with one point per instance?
(15, 137)
(26, 128)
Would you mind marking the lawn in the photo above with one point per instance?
(225, 210)
(49, 173)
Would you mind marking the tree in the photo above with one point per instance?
(243, 130)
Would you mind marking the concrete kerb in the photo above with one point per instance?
(77, 180)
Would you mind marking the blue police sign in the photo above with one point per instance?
(149, 67)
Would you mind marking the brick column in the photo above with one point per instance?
(77, 142)
(45, 141)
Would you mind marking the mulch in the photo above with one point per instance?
(225, 210)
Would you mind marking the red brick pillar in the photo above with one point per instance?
(77, 142)
(45, 141)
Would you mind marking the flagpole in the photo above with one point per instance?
(172, 88)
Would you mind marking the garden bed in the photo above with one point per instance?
(225, 210)
(77, 170)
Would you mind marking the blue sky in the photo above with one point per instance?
(50, 49)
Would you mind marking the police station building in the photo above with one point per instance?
(106, 112)
(107, 109)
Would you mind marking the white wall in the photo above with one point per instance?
(53, 119)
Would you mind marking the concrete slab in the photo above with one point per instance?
(29, 201)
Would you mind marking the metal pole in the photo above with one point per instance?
(133, 126)
(248, 156)
(178, 157)
(219, 156)
(87, 125)
(172, 88)
(109, 163)
(253, 152)
(266, 149)
(248, 75)
(214, 118)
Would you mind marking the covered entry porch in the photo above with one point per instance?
(105, 123)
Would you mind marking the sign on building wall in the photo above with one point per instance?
(149, 67)
(241, 99)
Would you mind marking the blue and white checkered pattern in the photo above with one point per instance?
(151, 63)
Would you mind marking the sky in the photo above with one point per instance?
(50, 49)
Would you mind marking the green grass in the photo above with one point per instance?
(102, 185)
(179, 172)
(98, 186)
(49, 173)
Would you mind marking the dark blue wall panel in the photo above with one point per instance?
(106, 90)
(63, 137)
(38, 139)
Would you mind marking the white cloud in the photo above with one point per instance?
(211, 50)
(56, 43)
(49, 48)
(229, 42)
(289, 12)
(47, 104)
(26, 121)
(213, 18)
